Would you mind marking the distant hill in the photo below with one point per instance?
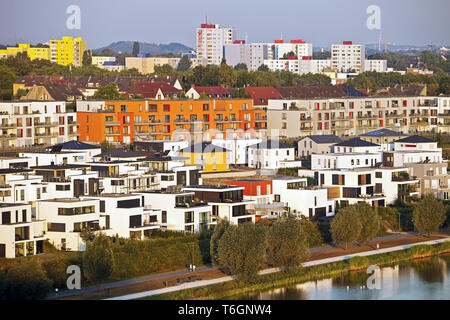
(147, 48)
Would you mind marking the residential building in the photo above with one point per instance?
(218, 92)
(67, 218)
(53, 92)
(316, 144)
(261, 193)
(127, 215)
(180, 211)
(348, 116)
(227, 202)
(21, 185)
(383, 137)
(68, 51)
(251, 54)
(300, 66)
(20, 234)
(348, 56)
(100, 60)
(193, 120)
(310, 202)
(207, 156)
(27, 123)
(32, 52)
(210, 41)
(238, 147)
(272, 154)
(375, 66)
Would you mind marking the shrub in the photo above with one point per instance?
(357, 262)
(27, 281)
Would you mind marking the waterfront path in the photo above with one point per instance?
(272, 270)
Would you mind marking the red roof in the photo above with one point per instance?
(150, 89)
(213, 91)
(261, 95)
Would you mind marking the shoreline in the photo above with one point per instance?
(272, 278)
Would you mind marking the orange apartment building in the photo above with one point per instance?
(136, 120)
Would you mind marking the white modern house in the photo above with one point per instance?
(180, 211)
(127, 215)
(66, 218)
(310, 202)
(238, 148)
(272, 154)
(227, 202)
(20, 234)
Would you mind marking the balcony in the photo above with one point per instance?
(107, 133)
(394, 115)
(8, 137)
(154, 122)
(73, 123)
(263, 119)
(112, 123)
(367, 116)
(74, 133)
(46, 124)
(8, 126)
(46, 135)
(181, 121)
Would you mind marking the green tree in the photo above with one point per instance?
(313, 236)
(219, 230)
(241, 66)
(110, 91)
(184, 64)
(345, 226)
(226, 75)
(7, 78)
(242, 251)
(136, 49)
(98, 259)
(164, 70)
(87, 58)
(27, 281)
(287, 244)
(263, 68)
(428, 215)
(20, 93)
(107, 146)
(370, 221)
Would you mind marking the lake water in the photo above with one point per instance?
(414, 280)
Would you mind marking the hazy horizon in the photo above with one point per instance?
(324, 22)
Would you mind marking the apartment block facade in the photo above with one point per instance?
(348, 56)
(132, 120)
(210, 41)
(68, 51)
(355, 116)
(26, 123)
(252, 54)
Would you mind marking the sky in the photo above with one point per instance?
(321, 22)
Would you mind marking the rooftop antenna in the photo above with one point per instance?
(246, 36)
(206, 18)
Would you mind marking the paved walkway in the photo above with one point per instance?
(271, 270)
(68, 293)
